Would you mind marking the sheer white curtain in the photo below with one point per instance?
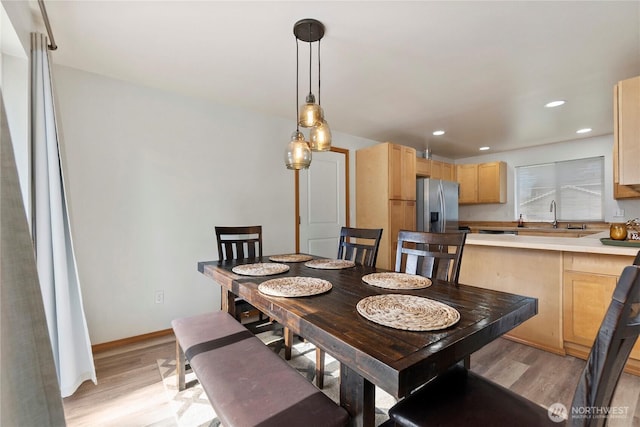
(55, 258)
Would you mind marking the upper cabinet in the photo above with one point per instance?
(427, 168)
(468, 179)
(402, 172)
(482, 183)
(626, 147)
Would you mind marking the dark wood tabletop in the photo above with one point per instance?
(372, 355)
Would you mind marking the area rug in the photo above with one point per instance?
(191, 406)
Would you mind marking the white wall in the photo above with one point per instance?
(15, 92)
(14, 81)
(576, 149)
(149, 174)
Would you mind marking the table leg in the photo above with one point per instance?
(320, 368)
(358, 397)
(228, 301)
(288, 342)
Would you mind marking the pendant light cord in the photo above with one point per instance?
(319, 92)
(297, 85)
(310, 59)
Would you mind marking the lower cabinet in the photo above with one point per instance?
(402, 216)
(573, 289)
(530, 272)
(589, 282)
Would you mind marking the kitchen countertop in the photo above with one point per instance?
(587, 244)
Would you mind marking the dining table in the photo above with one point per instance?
(372, 354)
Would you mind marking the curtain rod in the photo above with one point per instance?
(45, 17)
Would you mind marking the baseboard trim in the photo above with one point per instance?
(131, 340)
(558, 351)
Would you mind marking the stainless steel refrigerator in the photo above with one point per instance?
(436, 205)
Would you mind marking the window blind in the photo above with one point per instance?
(575, 185)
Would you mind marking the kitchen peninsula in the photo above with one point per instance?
(573, 279)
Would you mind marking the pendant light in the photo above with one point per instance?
(309, 30)
(311, 114)
(321, 133)
(298, 153)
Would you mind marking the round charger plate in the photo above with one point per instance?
(260, 269)
(294, 287)
(397, 281)
(329, 264)
(290, 258)
(407, 312)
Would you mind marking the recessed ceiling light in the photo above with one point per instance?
(438, 132)
(585, 130)
(554, 103)
(484, 148)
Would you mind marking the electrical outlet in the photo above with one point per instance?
(159, 297)
(620, 212)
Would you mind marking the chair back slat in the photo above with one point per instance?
(357, 250)
(434, 255)
(616, 337)
(239, 242)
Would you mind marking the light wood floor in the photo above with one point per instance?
(130, 390)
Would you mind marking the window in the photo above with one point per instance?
(577, 186)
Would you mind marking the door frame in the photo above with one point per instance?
(347, 211)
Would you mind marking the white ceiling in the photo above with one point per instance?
(391, 70)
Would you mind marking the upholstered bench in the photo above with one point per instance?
(247, 383)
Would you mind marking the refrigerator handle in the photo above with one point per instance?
(443, 208)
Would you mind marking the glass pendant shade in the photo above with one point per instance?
(298, 154)
(310, 113)
(320, 137)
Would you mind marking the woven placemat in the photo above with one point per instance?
(408, 312)
(330, 264)
(294, 286)
(397, 281)
(290, 258)
(260, 269)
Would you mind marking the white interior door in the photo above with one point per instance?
(322, 204)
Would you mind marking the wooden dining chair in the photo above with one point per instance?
(433, 255)
(460, 397)
(240, 243)
(359, 245)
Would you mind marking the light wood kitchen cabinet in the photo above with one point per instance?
(468, 179)
(626, 146)
(573, 289)
(402, 172)
(386, 194)
(589, 282)
(448, 172)
(534, 273)
(482, 183)
(427, 168)
(402, 216)
(423, 167)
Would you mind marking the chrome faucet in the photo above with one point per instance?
(553, 208)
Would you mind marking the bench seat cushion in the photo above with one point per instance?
(246, 382)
